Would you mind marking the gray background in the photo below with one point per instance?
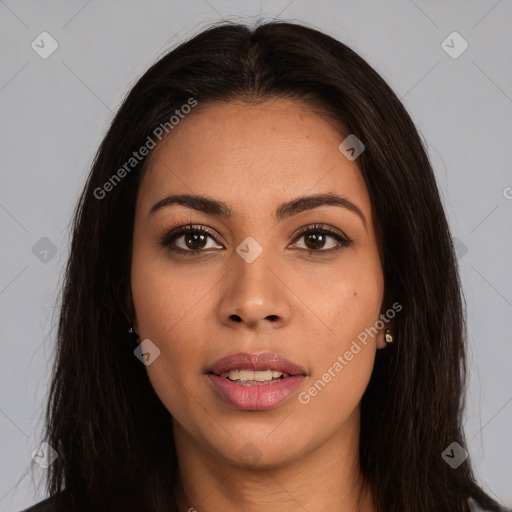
(55, 112)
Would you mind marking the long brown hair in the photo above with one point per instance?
(112, 433)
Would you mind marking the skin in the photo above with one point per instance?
(254, 157)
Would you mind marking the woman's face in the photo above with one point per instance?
(255, 284)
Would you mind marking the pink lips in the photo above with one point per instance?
(246, 361)
(256, 397)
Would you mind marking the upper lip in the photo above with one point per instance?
(247, 361)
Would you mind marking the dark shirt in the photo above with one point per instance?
(52, 504)
(67, 501)
(57, 503)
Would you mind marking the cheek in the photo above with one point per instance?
(163, 295)
(164, 302)
(345, 299)
(170, 305)
(345, 346)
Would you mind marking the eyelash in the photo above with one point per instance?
(169, 237)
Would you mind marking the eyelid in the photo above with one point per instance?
(319, 226)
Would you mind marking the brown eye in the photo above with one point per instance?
(315, 241)
(316, 238)
(194, 240)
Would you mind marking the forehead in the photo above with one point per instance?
(253, 155)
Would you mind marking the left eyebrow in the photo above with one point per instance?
(285, 210)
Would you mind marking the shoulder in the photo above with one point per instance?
(51, 504)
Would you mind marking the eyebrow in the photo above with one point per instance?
(285, 210)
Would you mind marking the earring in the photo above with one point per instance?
(388, 336)
(133, 335)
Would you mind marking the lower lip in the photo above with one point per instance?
(258, 397)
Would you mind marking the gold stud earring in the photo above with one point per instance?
(388, 336)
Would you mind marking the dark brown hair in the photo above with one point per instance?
(113, 434)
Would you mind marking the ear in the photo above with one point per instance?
(128, 308)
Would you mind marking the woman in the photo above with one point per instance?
(262, 307)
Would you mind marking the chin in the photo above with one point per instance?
(259, 451)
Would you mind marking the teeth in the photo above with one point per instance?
(250, 375)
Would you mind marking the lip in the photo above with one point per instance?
(257, 397)
(247, 361)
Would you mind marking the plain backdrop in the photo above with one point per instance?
(55, 111)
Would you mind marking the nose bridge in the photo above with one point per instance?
(252, 277)
(253, 291)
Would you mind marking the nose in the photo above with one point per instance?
(255, 295)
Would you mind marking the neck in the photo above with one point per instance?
(327, 477)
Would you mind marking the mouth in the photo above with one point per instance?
(255, 381)
(254, 378)
(255, 368)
